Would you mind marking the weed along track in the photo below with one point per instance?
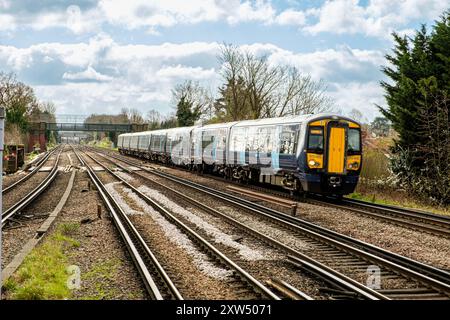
(79, 246)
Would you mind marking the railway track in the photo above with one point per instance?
(157, 282)
(412, 219)
(24, 201)
(341, 251)
(417, 220)
(37, 166)
(242, 280)
(338, 281)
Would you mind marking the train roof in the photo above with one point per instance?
(266, 121)
(292, 119)
(179, 129)
(217, 125)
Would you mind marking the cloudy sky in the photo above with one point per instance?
(99, 56)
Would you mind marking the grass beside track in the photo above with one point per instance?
(396, 199)
(43, 274)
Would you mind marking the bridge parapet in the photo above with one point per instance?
(99, 127)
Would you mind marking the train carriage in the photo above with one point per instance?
(309, 153)
(209, 146)
(157, 145)
(263, 150)
(134, 142)
(178, 145)
(143, 144)
(123, 143)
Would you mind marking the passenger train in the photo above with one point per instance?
(319, 154)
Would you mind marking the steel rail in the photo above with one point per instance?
(428, 217)
(436, 226)
(422, 269)
(288, 290)
(415, 219)
(33, 194)
(134, 241)
(36, 168)
(244, 275)
(351, 284)
(418, 213)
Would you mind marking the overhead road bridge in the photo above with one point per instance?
(37, 129)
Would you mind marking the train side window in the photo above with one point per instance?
(354, 140)
(288, 139)
(315, 139)
(265, 139)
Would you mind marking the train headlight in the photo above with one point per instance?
(354, 165)
(354, 162)
(314, 161)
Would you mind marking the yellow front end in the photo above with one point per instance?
(333, 156)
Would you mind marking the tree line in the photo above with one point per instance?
(417, 95)
(251, 88)
(21, 108)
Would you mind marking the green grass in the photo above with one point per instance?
(43, 274)
(102, 274)
(32, 155)
(375, 164)
(69, 228)
(401, 200)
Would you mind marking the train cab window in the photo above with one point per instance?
(288, 139)
(315, 139)
(354, 140)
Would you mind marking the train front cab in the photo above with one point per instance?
(333, 157)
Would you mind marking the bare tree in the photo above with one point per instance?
(136, 116)
(357, 115)
(131, 115)
(234, 93)
(262, 82)
(192, 93)
(154, 119)
(255, 89)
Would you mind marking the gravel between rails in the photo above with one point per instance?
(263, 265)
(24, 188)
(263, 262)
(423, 247)
(194, 274)
(101, 248)
(289, 238)
(9, 179)
(37, 211)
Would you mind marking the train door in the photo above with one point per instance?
(336, 151)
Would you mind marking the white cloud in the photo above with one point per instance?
(114, 75)
(7, 22)
(330, 64)
(359, 96)
(86, 75)
(183, 72)
(138, 14)
(291, 17)
(379, 18)
(260, 10)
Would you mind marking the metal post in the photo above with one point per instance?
(2, 126)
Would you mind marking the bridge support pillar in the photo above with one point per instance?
(37, 136)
